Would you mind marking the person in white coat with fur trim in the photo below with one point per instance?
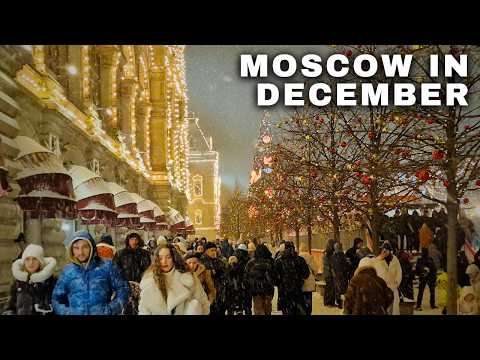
(168, 288)
(31, 293)
(389, 269)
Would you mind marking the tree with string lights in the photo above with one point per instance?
(445, 144)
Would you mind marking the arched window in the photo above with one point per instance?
(198, 217)
(197, 185)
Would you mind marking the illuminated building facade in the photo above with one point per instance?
(204, 206)
(117, 109)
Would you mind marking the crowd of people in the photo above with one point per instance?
(167, 276)
(176, 276)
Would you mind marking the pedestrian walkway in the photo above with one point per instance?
(320, 309)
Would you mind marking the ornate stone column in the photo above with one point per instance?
(127, 114)
(158, 121)
(108, 59)
(143, 110)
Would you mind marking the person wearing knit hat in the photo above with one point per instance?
(32, 289)
(218, 270)
(205, 276)
(242, 247)
(88, 285)
(133, 261)
(105, 248)
(210, 245)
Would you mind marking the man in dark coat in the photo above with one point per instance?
(352, 256)
(132, 262)
(218, 270)
(291, 271)
(329, 293)
(406, 229)
(227, 249)
(427, 275)
(241, 253)
(261, 277)
(237, 289)
(462, 264)
(340, 272)
(406, 285)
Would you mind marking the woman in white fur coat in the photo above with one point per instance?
(389, 269)
(168, 288)
(31, 292)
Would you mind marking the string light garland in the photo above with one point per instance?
(176, 105)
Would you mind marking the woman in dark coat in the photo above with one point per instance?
(31, 292)
(406, 286)
(340, 272)
(329, 295)
(352, 256)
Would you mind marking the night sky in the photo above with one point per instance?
(226, 103)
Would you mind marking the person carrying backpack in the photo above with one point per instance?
(261, 278)
(291, 271)
(236, 289)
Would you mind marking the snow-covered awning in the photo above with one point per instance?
(174, 217)
(175, 220)
(46, 187)
(126, 207)
(35, 159)
(96, 203)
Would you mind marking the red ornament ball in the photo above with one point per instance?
(343, 144)
(445, 183)
(348, 53)
(437, 154)
(466, 200)
(366, 179)
(430, 121)
(422, 175)
(477, 182)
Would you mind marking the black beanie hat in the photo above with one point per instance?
(209, 245)
(192, 255)
(106, 239)
(387, 246)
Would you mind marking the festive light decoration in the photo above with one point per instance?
(38, 82)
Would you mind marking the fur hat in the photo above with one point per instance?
(35, 251)
(209, 245)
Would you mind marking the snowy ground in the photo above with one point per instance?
(320, 309)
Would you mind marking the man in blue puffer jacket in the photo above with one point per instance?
(86, 286)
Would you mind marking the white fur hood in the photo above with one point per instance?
(185, 294)
(41, 276)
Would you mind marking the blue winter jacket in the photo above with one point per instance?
(87, 289)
